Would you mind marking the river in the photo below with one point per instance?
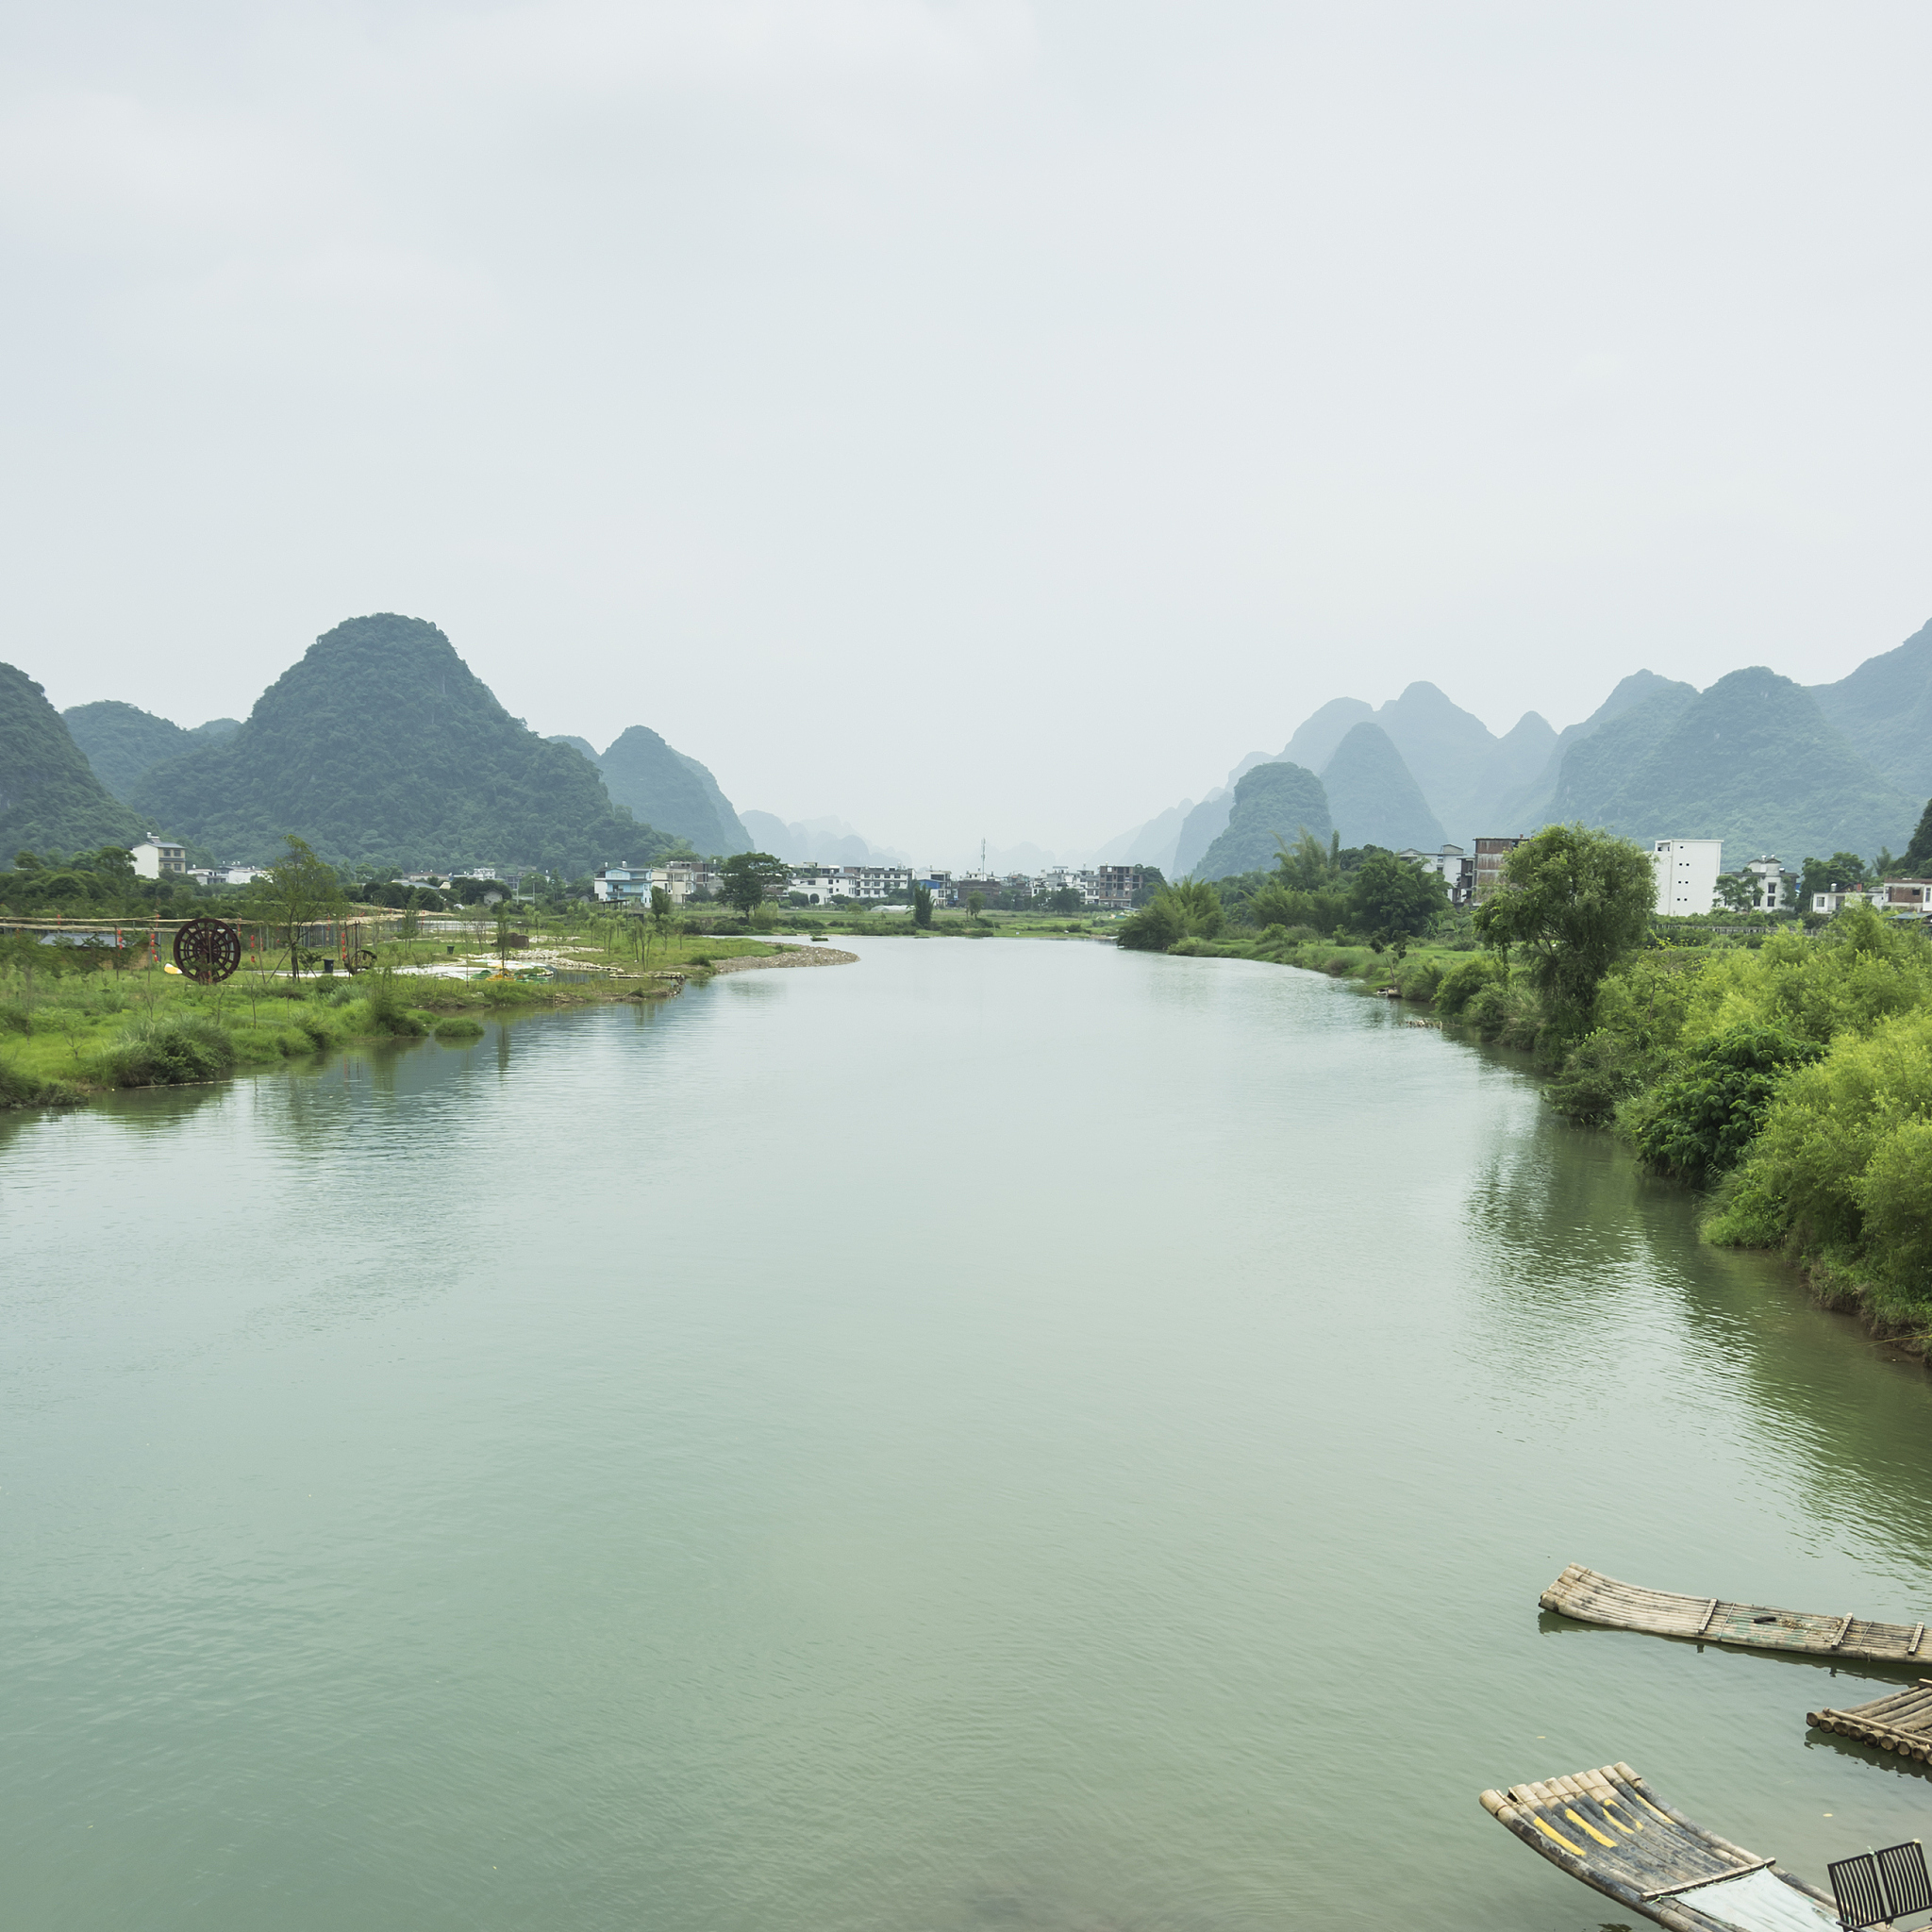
(1002, 1436)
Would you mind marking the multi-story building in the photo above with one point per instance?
(1769, 890)
(1490, 856)
(685, 879)
(1455, 866)
(867, 884)
(156, 859)
(1687, 870)
(1115, 887)
(624, 883)
(1907, 897)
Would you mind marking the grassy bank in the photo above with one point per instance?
(73, 1026)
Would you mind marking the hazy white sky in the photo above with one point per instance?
(966, 418)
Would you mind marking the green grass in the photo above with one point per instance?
(67, 1034)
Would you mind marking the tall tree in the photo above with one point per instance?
(1394, 900)
(300, 889)
(749, 878)
(1575, 901)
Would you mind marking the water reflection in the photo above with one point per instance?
(994, 1436)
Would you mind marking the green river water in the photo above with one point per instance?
(999, 1437)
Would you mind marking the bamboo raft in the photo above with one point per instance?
(1593, 1599)
(1608, 1828)
(1901, 1722)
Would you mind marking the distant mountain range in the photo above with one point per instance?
(827, 841)
(123, 743)
(381, 746)
(50, 799)
(1756, 760)
(667, 788)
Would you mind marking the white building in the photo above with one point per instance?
(156, 859)
(1898, 897)
(1453, 865)
(1687, 870)
(625, 883)
(1768, 893)
(821, 884)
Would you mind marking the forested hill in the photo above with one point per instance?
(381, 746)
(669, 789)
(50, 799)
(123, 743)
(1751, 762)
(1274, 805)
(1885, 708)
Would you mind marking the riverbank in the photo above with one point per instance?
(1786, 1082)
(73, 1029)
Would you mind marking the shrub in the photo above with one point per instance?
(1698, 1122)
(171, 1051)
(1815, 1172)
(1465, 979)
(1417, 979)
(1190, 910)
(387, 1013)
(458, 1026)
(1895, 1193)
(20, 1088)
(1600, 1072)
(315, 1029)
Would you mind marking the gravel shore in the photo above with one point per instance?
(797, 955)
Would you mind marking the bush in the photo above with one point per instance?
(18, 1089)
(387, 1013)
(1600, 1072)
(1698, 1122)
(1190, 910)
(1895, 1193)
(1418, 979)
(1823, 1171)
(315, 1029)
(1465, 979)
(458, 1026)
(171, 1051)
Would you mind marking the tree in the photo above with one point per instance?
(300, 887)
(660, 908)
(975, 902)
(1190, 910)
(1843, 869)
(750, 878)
(1575, 901)
(1394, 900)
(922, 905)
(1738, 890)
(1308, 865)
(1917, 862)
(1698, 1122)
(1064, 900)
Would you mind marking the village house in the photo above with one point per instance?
(1455, 866)
(622, 884)
(156, 859)
(1685, 871)
(1490, 856)
(1769, 891)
